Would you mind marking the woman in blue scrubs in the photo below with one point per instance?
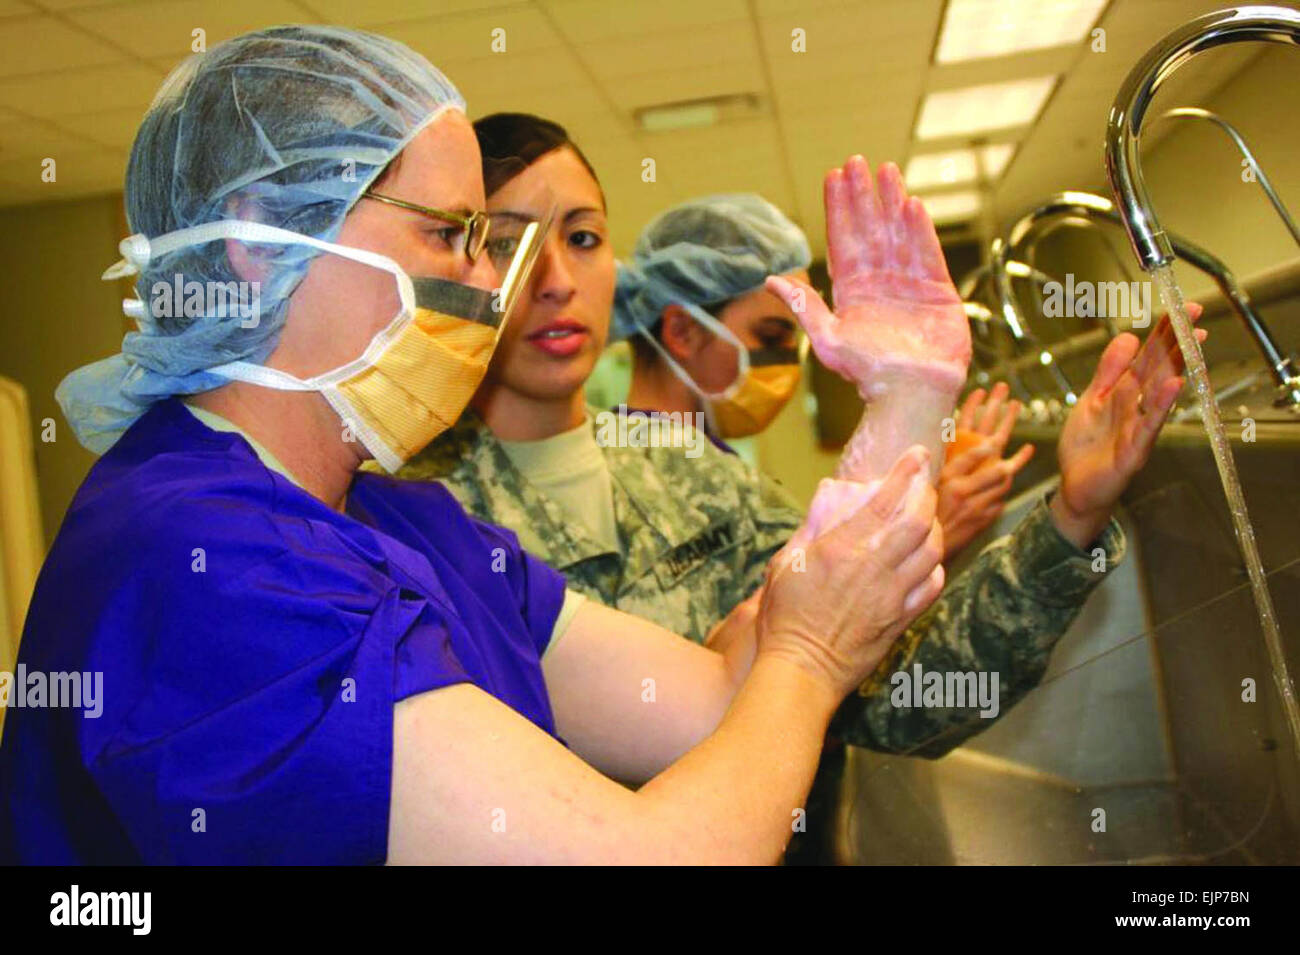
(303, 664)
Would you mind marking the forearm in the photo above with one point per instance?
(899, 413)
(732, 799)
(1004, 615)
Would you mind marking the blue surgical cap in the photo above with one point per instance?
(704, 252)
(292, 123)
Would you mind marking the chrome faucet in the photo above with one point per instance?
(981, 319)
(1097, 209)
(1195, 112)
(1153, 247)
(1001, 269)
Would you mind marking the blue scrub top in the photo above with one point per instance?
(252, 643)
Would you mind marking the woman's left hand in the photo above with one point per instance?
(1112, 428)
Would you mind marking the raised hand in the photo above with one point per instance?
(897, 313)
(1111, 430)
(975, 479)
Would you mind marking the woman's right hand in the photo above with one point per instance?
(836, 600)
(975, 478)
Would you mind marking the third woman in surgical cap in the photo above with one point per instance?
(708, 338)
(685, 538)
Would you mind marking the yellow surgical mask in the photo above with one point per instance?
(417, 386)
(418, 373)
(766, 379)
(416, 376)
(763, 391)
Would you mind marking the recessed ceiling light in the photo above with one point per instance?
(956, 166)
(952, 206)
(976, 29)
(693, 114)
(974, 109)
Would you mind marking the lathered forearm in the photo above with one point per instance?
(900, 412)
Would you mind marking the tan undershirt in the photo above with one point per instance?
(571, 469)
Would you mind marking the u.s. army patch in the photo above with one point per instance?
(684, 558)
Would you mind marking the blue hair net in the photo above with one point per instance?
(704, 252)
(296, 121)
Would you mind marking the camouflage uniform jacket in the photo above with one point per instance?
(697, 534)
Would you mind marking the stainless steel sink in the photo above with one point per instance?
(1141, 713)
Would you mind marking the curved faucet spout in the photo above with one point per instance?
(1123, 166)
(1086, 205)
(1195, 112)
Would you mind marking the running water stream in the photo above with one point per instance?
(1172, 297)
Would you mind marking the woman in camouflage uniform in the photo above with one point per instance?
(659, 523)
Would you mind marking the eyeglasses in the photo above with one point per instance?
(475, 224)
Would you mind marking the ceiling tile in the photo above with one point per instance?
(591, 63)
(445, 40)
(161, 27)
(77, 91)
(115, 128)
(729, 42)
(870, 30)
(33, 139)
(674, 86)
(589, 21)
(516, 81)
(42, 44)
(375, 12)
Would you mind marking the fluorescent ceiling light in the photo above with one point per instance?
(976, 29)
(691, 116)
(975, 109)
(952, 207)
(956, 166)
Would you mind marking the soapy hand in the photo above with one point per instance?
(975, 479)
(898, 317)
(735, 635)
(1111, 430)
(864, 565)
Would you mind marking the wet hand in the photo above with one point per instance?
(834, 603)
(1110, 431)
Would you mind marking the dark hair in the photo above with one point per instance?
(511, 142)
(646, 353)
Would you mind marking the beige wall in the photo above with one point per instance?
(58, 315)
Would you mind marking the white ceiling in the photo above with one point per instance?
(76, 75)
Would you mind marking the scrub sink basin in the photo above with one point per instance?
(1140, 745)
